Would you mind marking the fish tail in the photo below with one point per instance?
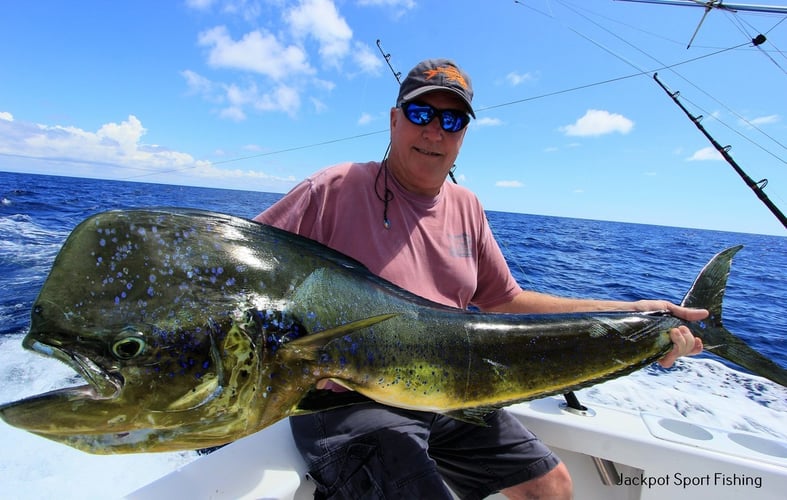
(707, 292)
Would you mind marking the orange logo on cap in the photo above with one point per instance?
(450, 72)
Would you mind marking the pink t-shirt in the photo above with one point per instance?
(440, 248)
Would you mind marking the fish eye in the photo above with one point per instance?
(128, 346)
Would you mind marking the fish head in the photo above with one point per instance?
(151, 308)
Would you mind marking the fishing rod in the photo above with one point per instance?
(387, 57)
(757, 187)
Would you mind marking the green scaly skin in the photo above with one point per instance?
(193, 329)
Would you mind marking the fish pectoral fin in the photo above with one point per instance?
(319, 339)
(319, 400)
(473, 416)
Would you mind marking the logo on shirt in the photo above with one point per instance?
(460, 246)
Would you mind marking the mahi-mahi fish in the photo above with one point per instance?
(193, 329)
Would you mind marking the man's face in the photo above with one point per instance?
(421, 156)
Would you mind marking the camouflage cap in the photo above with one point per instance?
(436, 74)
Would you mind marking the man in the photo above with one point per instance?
(406, 223)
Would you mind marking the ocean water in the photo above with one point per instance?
(565, 256)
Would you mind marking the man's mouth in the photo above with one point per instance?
(426, 152)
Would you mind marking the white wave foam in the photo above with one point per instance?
(702, 391)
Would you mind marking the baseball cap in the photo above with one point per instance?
(436, 74)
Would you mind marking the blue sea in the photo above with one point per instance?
(565, 256)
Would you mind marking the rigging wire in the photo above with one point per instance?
(671, 68)
(756, 41)
(479, 109)
(741, 24)
(267, 153)
(639, 72)
(781, 52)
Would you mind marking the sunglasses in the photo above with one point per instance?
(451, 120)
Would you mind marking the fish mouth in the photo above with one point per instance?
(62, 412)
(101, 383)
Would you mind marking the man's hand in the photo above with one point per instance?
(684, 343)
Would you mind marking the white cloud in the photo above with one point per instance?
(249, 10)
(398, 7)
(115, 150)
(366, 58)
(235, 98)
(5, 115)
(234, 113)
(199, 4)
(407, 4)
(318, 105)
(365, 119)
(198, 84)
(598, 122)
(519, 78)
(705, 154)
(282, 98)
(509, 184)
(125, 134)
(764, 120)
(113, 143)
(321, 20)
(487, 122)
(258, 51)
(276, 68)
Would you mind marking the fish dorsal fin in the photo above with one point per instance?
(708, 288)
(308, 344)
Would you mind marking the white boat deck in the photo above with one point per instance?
(654, 457)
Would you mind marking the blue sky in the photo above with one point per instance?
(256, 95)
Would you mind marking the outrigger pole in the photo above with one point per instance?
(716, 4)
(757, 187)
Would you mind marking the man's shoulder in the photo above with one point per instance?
(342, 172)
(461, 193)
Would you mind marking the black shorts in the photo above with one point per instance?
(372, 451)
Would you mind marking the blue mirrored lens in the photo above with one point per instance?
(419, 114)
(451, 120)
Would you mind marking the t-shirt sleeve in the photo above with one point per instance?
(496, 284)
(296, 212)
